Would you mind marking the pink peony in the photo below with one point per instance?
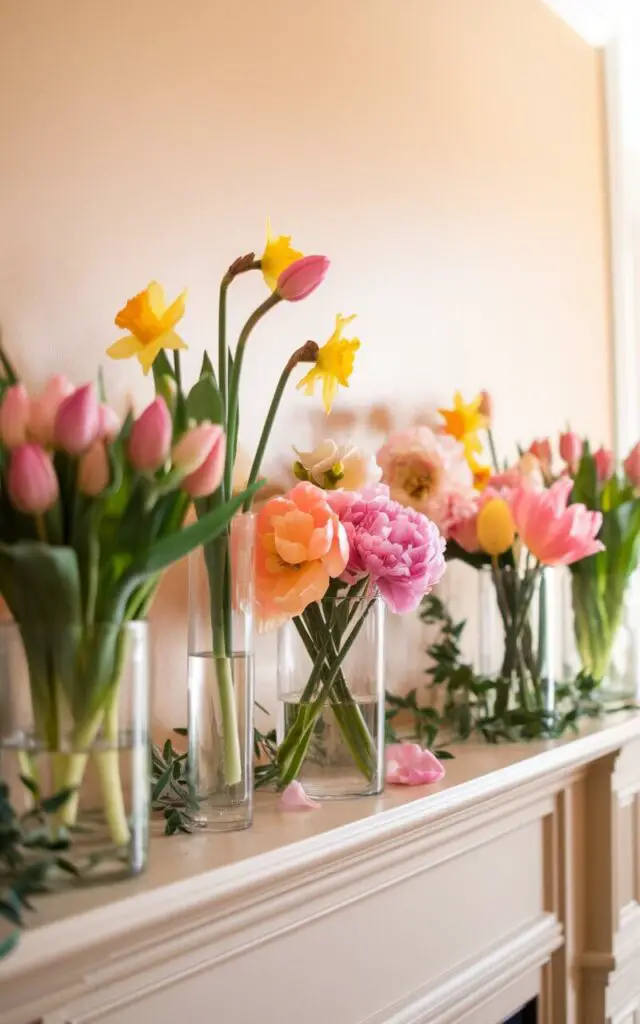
(399, 549)
(409, 765)
(555, 533)
(429, 473)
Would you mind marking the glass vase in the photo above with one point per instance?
(519, 645)
(221, 679)
(74, 742)
(601, 616)
(331, 695)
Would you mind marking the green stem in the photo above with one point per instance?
(232, 764)
(177, 370)
(222, 348)
(108, 764)
(492, 449)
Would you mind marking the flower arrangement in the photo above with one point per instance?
(325, 557)
(92, 510)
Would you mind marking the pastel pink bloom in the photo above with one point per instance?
(486, 406)
(554, 532)
(525, 473)
(541, 448)
(194, 446)
(208, 477)
(44, 409)
(428, 472)
(150, 439)
(94, 472)
(409, 765)
(397, 548)
(605, 462)
(14, 416)
(302, 277)
(632, 465)
(301, 546)
(109, 423)
(77, 421)
(32, 482)
(464, 531)
(294, 798)
(570, 448)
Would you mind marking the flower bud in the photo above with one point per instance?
(14, 416)
(193, 448)
(632, 465)
(32, 482)
(302, 277)
(108, 423)
(150, 439)
(77, 421)
(495, 527)
(94, 472)
(208, 477)
(45, 407)
(605, 462)
(541, 448)
(570, 449)
(486, 406)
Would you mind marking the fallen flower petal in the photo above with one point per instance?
(409, 765)
(294, 798)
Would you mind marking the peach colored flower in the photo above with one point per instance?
(301, 545)
(554, 532)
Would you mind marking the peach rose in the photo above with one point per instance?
(301, 545)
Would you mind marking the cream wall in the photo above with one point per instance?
(446, 154)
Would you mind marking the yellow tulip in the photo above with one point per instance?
(277, 256)
(334, 364)
(495, 527)
(151, 325)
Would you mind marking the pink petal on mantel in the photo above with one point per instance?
(409, 765)
(294, 798)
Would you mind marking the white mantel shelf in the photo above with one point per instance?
(448, 903)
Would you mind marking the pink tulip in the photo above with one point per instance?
(409, 765)
(571, 450)
(302, 277)
(108, 423)
(77, 421)
(94, 472)
(294, 798)
(45, 407)
(541, 448)
(14, 416)
(632, 466)
(192, 449)
(207, 478)
(605, 462)
(555, 533)
(150, 439)
(32, 483)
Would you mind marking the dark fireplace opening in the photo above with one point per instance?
(527, 1015)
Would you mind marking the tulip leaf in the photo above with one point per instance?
(40, 582)
(207, 370)
(204, 401)
(162, 367)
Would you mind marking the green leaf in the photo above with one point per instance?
(9, 943)
(181, 732)
(162, 367)
(204, 401)
(207, 370)
(52, 803)
(39, 581)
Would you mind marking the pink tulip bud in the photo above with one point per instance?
(605, 462)
(541, 448)
(108, 423)
(150, 439)
(77, 421)
(207, 479)
(486, 406)
(32, 482)
(302, 277)
(94, 472)
(632, 466)
(570, 450)
(14, 416)
(193, 448)
(45, 407)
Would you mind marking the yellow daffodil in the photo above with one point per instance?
(151, 325)
(334, 364)
(277, 256)
(496, 528)
(464, 421)
(481, 474)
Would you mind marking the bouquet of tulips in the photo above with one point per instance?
(92, 510)
(327, 550)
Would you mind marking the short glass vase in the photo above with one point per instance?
(221, 679)
(74, 720)
(331, 698)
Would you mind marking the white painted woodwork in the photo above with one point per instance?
(518, 876)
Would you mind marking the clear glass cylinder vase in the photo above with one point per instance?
(519, 646)
(221, 678)
(74, 742)
(331, 697)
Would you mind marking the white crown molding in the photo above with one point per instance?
(594, 20)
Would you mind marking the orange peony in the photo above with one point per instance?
(301, 544)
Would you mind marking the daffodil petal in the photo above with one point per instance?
(149, 352)
(329, 388)
(125, 347)
(156, 299)
(175, 312)
(173, 341)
